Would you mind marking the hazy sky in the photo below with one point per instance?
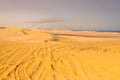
(61, 14)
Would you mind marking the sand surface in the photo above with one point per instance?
(59, 55)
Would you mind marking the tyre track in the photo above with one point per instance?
(49, 61)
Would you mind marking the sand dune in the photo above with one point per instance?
(15, 34)
(42, 55)
(84, 33)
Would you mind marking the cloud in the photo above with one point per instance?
(45, 21)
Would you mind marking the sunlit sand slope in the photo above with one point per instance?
(57, 60)
(15, 34)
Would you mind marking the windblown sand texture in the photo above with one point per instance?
(58, 55)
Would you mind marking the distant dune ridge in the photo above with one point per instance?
(59, 55)
(2, 27)
(15, 34)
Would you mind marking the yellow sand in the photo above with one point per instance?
(41, 55)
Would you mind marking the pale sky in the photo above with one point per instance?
(61, 14)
